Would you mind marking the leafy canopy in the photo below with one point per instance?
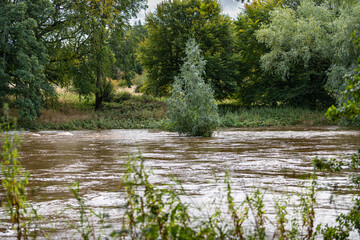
(343, 50)
(254, 85)
(350, 109)
(299, 52)
(170, 26)
(310, 50)
(58, 42)
(124, 44)
(23, 57)
(82, 44)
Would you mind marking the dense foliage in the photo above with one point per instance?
(82, 44)
(124, 45)
(343, 50)
(170, 26)
(275, 53)
(310, 51)
(350, 109)
(255, 86)
(298, 55)
(23, 56)
(192, 108)
(62, 42)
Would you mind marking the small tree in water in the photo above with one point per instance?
(192, 107)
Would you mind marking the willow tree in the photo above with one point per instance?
(311, 51)
(299, 53)
(344, 53)
(350, 108)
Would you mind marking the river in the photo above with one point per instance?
(276, 160)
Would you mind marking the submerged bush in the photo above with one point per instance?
(192, 108)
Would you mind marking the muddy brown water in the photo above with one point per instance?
(277, 161)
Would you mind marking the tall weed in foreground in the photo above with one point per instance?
(152, 212)
(307, 205)
(14, 181)
(281, 218)
(159, 212)
(350, 222)
(238, 214)
(88, 221)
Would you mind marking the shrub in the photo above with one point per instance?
(192, 108)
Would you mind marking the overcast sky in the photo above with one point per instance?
(230, 7)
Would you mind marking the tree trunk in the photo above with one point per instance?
(99, 72)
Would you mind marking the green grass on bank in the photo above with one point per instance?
(129, 111)
(125, 111)
(234, 116)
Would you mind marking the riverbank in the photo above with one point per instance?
(129, 111)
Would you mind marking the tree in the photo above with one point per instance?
(310, 49)
(254, 85)
(350, 109)
(170, 26)
(80, 46)
(344, 52)
(23, 56)
(103, 17)
(192, 108)
(125, 44)
(300, 53)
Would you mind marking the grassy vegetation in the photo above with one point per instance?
(136, 111)
(125, 111)
(232, 115)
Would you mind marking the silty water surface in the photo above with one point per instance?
(276, 160)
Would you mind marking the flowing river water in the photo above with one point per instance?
(278, 161)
